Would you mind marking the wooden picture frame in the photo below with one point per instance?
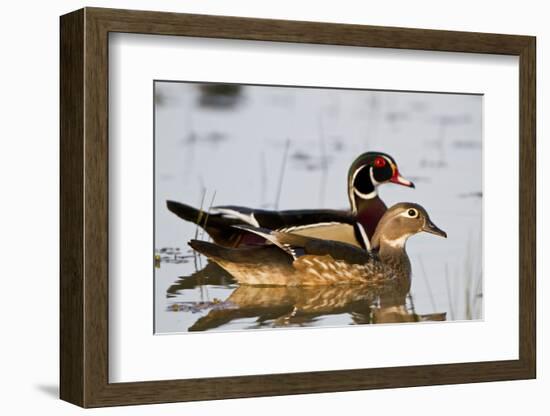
(84, 207)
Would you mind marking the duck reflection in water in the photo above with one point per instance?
(299, 306)
(307, 277)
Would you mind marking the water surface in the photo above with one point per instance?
(290, 148)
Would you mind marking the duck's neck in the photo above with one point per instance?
(394, 254)
(368, 210)
(391, 250)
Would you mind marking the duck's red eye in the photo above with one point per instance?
(379, 162)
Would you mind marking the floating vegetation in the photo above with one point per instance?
(337, 144)
(160, 99)
(313, 163)
(303, 160)
(418, 106)
(373, 101)
(300, 156)
(434, 164)
(474, 194)
(220, 96)
(396, 116)
(467, 144)
(166, 177)
(212, 137)
(281, 100)
(197, 307)
(172, 255)
(448, 119)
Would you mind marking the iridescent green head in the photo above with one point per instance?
(370, 170)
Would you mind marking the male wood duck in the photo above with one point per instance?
(297, 260)
(355, 226)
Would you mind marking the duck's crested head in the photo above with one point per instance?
(371, 169)
(402, 221)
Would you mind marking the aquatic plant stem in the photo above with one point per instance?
(282, 174)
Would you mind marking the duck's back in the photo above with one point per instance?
(344, 233)
(316, 263)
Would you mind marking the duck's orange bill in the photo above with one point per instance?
(400, 180)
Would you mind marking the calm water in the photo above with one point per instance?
(216, 146)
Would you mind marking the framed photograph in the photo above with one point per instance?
(255, 207)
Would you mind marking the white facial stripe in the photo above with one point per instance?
(361, 195)
(355, 174)
(351, 190)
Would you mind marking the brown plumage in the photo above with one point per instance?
(295, 260)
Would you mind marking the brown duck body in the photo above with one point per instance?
(319, 262)
(314, 270)
(294, 260)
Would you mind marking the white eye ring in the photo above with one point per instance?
(412, 213)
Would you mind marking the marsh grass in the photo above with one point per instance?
(324, 162)
(466, 295)
(473, 289)
(463, 284)
(282, 174)
(207, 214)
(449, 291)
(263, 179)
(197, 259)
(427, 283)
(412, 308)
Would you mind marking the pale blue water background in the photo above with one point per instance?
(235, 147)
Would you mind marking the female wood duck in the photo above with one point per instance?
(356, 226)
(297, 260)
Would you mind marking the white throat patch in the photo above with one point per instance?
(398, 242)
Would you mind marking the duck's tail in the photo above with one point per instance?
(186, 212)
(267, 265)
(222, 254)
(218, 227)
